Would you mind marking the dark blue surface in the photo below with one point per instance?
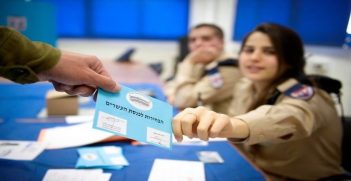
(22, 100)
(140, 158)
(18, 101)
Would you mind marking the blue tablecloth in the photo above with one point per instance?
(19, 101)
(141, 157)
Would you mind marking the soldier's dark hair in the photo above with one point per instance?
(290, 53)
(218, 31)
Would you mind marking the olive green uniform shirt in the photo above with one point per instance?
(191, 82)
(21, 59)
(294, 138)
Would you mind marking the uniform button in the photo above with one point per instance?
(19, 72)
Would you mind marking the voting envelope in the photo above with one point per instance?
(134, 115)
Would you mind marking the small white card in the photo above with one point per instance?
(20, 150)
(157, 137)
(209, 157)
(177, 170)
(76, 175)
(71, 136)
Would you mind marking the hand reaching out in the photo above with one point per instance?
(78, 74)
(204, 124)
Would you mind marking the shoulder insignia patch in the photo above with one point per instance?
(300, 91)
(215, 77)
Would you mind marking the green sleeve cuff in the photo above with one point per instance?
(22, 59)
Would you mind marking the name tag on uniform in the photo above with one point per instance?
(131, 114)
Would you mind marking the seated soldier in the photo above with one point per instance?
(206, 72)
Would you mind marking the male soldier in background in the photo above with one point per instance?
(207, 74)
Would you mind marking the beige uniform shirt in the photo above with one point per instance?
(191, 81)
(295, 138)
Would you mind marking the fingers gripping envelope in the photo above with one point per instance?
(131, 114)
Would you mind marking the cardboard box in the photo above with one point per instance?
(61, 103)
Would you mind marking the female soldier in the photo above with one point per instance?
(290, 130)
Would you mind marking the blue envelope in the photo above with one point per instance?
(108, 157)
(131, 114)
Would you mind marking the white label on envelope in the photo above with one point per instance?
(89, 156)
(158, 137)
(112, 123)
(139, 101)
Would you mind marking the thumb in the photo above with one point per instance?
(105, 83)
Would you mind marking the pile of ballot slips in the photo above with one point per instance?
(105, 157)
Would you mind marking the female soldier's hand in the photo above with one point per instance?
(79, 74)
(204, 124)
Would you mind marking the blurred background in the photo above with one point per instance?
(153, 29)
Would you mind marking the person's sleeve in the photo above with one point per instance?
(21, 59)
(289, 120)
(188, 91)
(188, 74)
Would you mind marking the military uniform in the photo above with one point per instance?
(21, 59)
(298, 137)
(210, 85)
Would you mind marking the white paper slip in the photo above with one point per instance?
(20, 150)
(209, 157)
(79, 119)
(71, 136)
(76, 175)
(177, 170)
(195, 141)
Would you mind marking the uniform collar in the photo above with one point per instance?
(287, 84)
(222, 57)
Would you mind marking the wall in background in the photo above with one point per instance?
(317, 22)
(332, 61)
(123, 19)
(35, 20)
(107, 50)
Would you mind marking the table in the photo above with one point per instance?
(25, 101)
(141, 157)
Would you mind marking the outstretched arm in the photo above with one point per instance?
(204, 124)
(24, 61)
(78, 74)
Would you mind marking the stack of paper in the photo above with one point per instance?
(106, 157)
(71, 136)
(74, 175)
(177, 170)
